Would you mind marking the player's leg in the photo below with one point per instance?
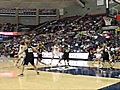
(25, 62)
(22, 70)
(16, 63)
(40, 60)
(36, 69)
(33, 64)
(59, 60)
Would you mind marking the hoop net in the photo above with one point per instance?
(107, 20)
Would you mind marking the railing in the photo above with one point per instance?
(27, 12)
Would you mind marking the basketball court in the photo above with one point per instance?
(60, 77)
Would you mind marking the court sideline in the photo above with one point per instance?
(50, 80)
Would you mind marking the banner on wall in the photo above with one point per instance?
(78, 55)
(71, 55)
(82, 59)
(9, 33)
(49, 55)
(100, 2)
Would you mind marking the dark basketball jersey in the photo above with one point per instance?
(66, 51)
(29, 51)
(105, 55)
(29, 56)
(41, 49)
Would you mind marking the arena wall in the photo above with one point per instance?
(68, 7)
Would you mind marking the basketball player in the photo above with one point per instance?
(55, 52)
(65, 56)
(41, 49)
(21, 56)
(29, 57)
(106, 56)
(98, 55)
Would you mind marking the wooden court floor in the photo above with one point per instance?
(49, 80)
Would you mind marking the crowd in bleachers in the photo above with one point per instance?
(81, 34)
(7, 27)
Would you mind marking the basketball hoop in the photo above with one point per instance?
(107, 20)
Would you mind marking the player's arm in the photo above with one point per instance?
(37, 46)
(52, 48)
(24, 48)
(44, 49)
(35, 50)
